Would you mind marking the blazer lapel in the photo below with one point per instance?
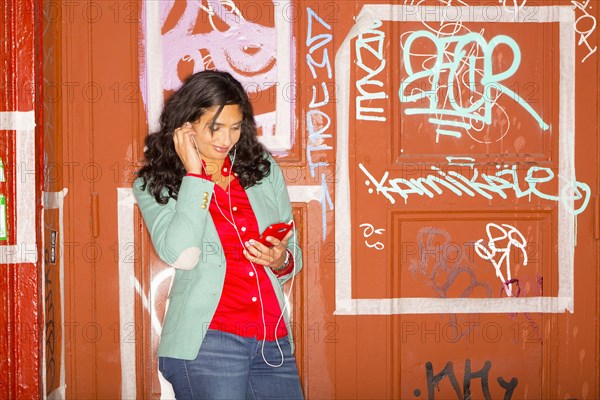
(256, 196)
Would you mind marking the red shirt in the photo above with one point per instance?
(239, 310)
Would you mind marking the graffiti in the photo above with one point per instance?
(501, 183)
(317, 41)
(244, 48)
(585, 25)
(368, 231)
(531, 332)
(443, 2)
(150, 303)
(370, 42)
(318, 121)
(442, 262)
(216, 35)
(517, 6)
(465, 71)
(508, 185)
(433, 381)
(470, 93)
(489, 250)
(51, 331)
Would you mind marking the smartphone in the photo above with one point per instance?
(277, 231)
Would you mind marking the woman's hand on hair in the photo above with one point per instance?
(185, 148)
(272, 257)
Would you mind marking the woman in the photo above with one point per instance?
(206, 191)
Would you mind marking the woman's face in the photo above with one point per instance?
(215, 145)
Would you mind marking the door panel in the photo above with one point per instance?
(458, 140)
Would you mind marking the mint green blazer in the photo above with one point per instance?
(185, 237)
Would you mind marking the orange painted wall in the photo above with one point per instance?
(397, 298)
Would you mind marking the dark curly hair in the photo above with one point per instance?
(163, 169)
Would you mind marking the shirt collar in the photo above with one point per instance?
(225, 169)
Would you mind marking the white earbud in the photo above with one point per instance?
(234, 153)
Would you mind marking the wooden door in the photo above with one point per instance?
(461, 202)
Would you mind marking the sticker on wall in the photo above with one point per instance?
(52, 256)
(3, 234)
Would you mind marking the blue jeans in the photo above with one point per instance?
(231, 367)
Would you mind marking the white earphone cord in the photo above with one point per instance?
(262, 309)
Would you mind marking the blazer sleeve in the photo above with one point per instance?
(177, 228)
(285, 212)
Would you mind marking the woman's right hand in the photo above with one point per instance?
(185, 149)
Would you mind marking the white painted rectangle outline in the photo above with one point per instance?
(55, 201)
(281, 140)
(344, 303)
(127, 283)
(25, 248)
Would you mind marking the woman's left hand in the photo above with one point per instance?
(272, 257)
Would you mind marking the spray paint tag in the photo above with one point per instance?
(2, 178)
(3, 234)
